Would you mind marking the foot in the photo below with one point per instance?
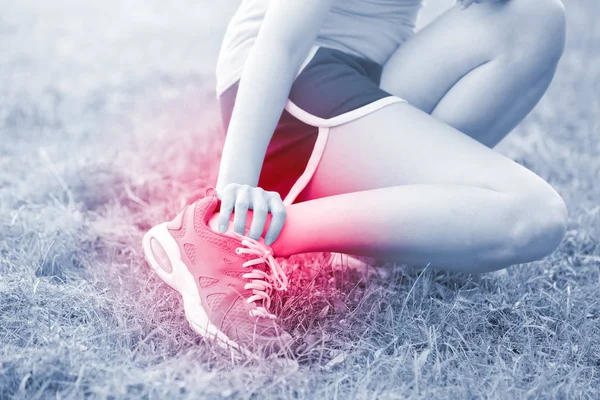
(226, 280)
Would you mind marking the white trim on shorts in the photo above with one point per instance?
(324, 124)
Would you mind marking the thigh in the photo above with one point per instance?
(401, 145)
(289, 149)
(428, 64)
(481, 70)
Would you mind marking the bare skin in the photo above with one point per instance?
(418, 183)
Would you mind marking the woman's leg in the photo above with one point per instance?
(401, 185)
(483, 69)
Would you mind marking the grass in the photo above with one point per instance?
(108, 125)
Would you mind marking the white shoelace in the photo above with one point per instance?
(262, 283)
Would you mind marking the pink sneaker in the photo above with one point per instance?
(226, 282)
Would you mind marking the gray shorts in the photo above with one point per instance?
(331, 88)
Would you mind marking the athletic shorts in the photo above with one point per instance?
(331, 89)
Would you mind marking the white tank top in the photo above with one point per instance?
(371, 29)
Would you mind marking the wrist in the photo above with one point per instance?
(224, 180)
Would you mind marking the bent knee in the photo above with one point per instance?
(540, 223)
(540, 26)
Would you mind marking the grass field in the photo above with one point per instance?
(108, 125)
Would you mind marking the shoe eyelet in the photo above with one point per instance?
(237, 250)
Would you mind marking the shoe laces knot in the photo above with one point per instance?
(262, 283)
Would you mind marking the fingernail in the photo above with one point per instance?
(222, 228)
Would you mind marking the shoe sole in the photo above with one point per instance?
(182, 280)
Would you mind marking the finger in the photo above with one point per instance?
(227, 198)
(259, 213)
(279, 213)
(242, 203)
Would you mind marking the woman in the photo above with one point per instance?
(378, 139)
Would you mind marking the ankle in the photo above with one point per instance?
(279, 249)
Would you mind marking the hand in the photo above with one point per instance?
(261, 202)
(464, 4)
